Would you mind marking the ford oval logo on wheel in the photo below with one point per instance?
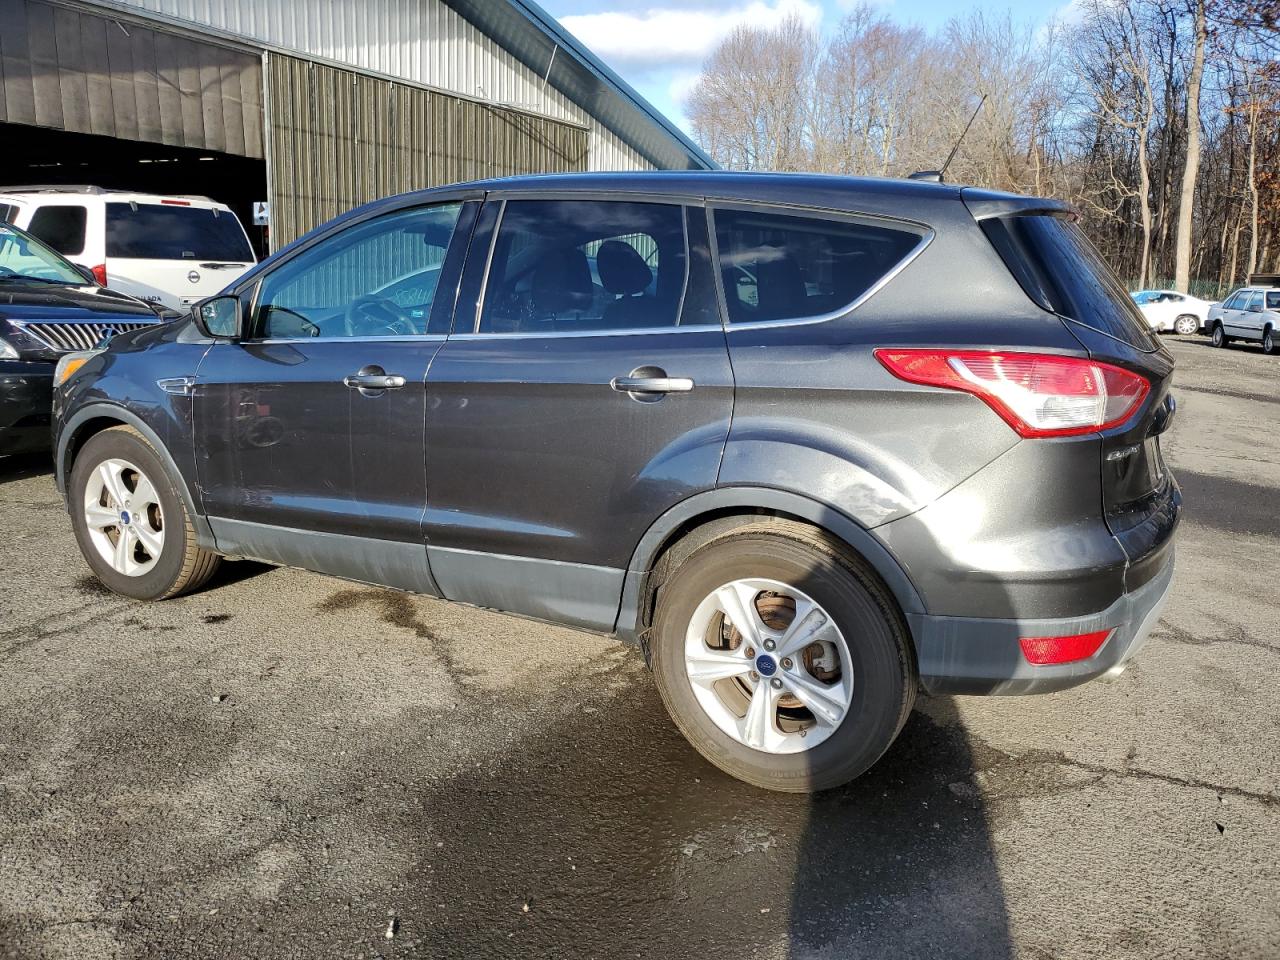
(194, 276)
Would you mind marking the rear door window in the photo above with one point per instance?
(151, 231)
(1063, 272)
(61, 227)
(1255, 303)
(784, 266)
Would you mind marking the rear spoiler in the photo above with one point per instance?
(985, 204)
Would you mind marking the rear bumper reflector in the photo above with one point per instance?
(1049, 650)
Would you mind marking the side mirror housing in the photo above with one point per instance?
(219, 317)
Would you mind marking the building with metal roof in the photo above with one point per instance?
(311, 106)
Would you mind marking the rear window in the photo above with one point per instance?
(1062, 271)
(782, 267)
(150, 231)
(61, 227)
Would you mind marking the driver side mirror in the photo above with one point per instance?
(219, 317)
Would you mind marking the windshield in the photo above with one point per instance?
(150, 231)
(24, 257)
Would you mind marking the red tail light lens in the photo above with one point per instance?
(1047, 650)
(1039, 395)
(100, 274)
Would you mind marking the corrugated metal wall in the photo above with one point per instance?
(338, 139)
(424, 41)
(73, 71)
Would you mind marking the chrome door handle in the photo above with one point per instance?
(651, 384)
(374, 381)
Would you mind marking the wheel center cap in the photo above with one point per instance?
(766, 666)
(125, 518)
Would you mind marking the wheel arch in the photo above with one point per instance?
(94, 418)
(724, 506)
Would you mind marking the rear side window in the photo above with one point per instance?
(1273, 300)
(1062, 271)
(151, 231)
(8, 212)
(779, 266)
(585, 266)
(61, 227)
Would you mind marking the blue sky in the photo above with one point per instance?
(658, 45)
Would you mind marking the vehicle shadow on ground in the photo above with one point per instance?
(613, 838)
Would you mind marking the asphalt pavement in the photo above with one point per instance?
(288, 765)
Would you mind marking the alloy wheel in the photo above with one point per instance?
(124, 519)
(768, 665)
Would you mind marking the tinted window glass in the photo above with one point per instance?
(375, 279)
(151, 231)
(1062, 271)
(24, 256)
(7, 212)
(60, 227)
(1273, 300)
(781, 266)
(1255, 302)
(568, 266)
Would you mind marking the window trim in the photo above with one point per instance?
(259, 280)
(925, 233)
(682, 204)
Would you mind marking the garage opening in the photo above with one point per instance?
(38, 156)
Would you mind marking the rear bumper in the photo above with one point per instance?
(26, 403)
(973, 655)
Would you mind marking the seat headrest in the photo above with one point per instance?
(622, 270)
(562, 282)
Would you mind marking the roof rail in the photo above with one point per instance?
(52, 188)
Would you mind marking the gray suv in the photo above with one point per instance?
(726, 417)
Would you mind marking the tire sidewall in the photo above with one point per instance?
(1219, 337)
(126, 445)
(881, 669)
(1268, 342)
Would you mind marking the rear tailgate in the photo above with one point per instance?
(1060, 270)
(174, 251)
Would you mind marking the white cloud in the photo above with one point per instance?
(677, 36)
(682, 85)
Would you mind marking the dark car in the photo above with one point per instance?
(730, 417)
(47, 308)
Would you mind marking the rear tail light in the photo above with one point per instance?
(1048, 650)
(1039, 395)
(100, 274)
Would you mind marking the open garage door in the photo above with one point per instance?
(91, 100)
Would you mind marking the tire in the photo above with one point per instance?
(154, 514)
(1185, 326)
(1219, 336)
(1268, 342)
(870, 644)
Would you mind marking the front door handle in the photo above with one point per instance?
(373, 377)
(662, 384)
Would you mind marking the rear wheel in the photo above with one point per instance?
(782, 659)
(131, 523)
(1186, 325)
(1219, 337)
(1268, 342)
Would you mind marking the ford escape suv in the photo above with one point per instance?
(724, 416)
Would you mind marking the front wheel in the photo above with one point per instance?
(1219, 338)
(1185, 326)
(782, 658)
(131, 523)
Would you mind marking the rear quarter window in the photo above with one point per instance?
(61, 227)
(151, 231)
(1273, 300)
(1063, 272)
(786, 266)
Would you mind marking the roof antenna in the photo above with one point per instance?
(935, 176)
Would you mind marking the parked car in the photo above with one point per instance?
(47, 309)
(738, 441)
(1251, 313)
(169, 250)
(1168, 311)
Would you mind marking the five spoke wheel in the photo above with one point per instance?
(123, 516)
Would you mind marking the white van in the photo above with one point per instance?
(168, 250)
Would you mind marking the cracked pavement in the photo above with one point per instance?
(287, 765)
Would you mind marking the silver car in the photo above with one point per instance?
(1251, 313)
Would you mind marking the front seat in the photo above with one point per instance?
(624, 274)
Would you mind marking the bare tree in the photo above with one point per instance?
(1191, 169)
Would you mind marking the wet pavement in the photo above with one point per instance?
(287, 765)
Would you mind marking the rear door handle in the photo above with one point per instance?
(651, 384)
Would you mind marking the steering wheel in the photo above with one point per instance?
(383, 315)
